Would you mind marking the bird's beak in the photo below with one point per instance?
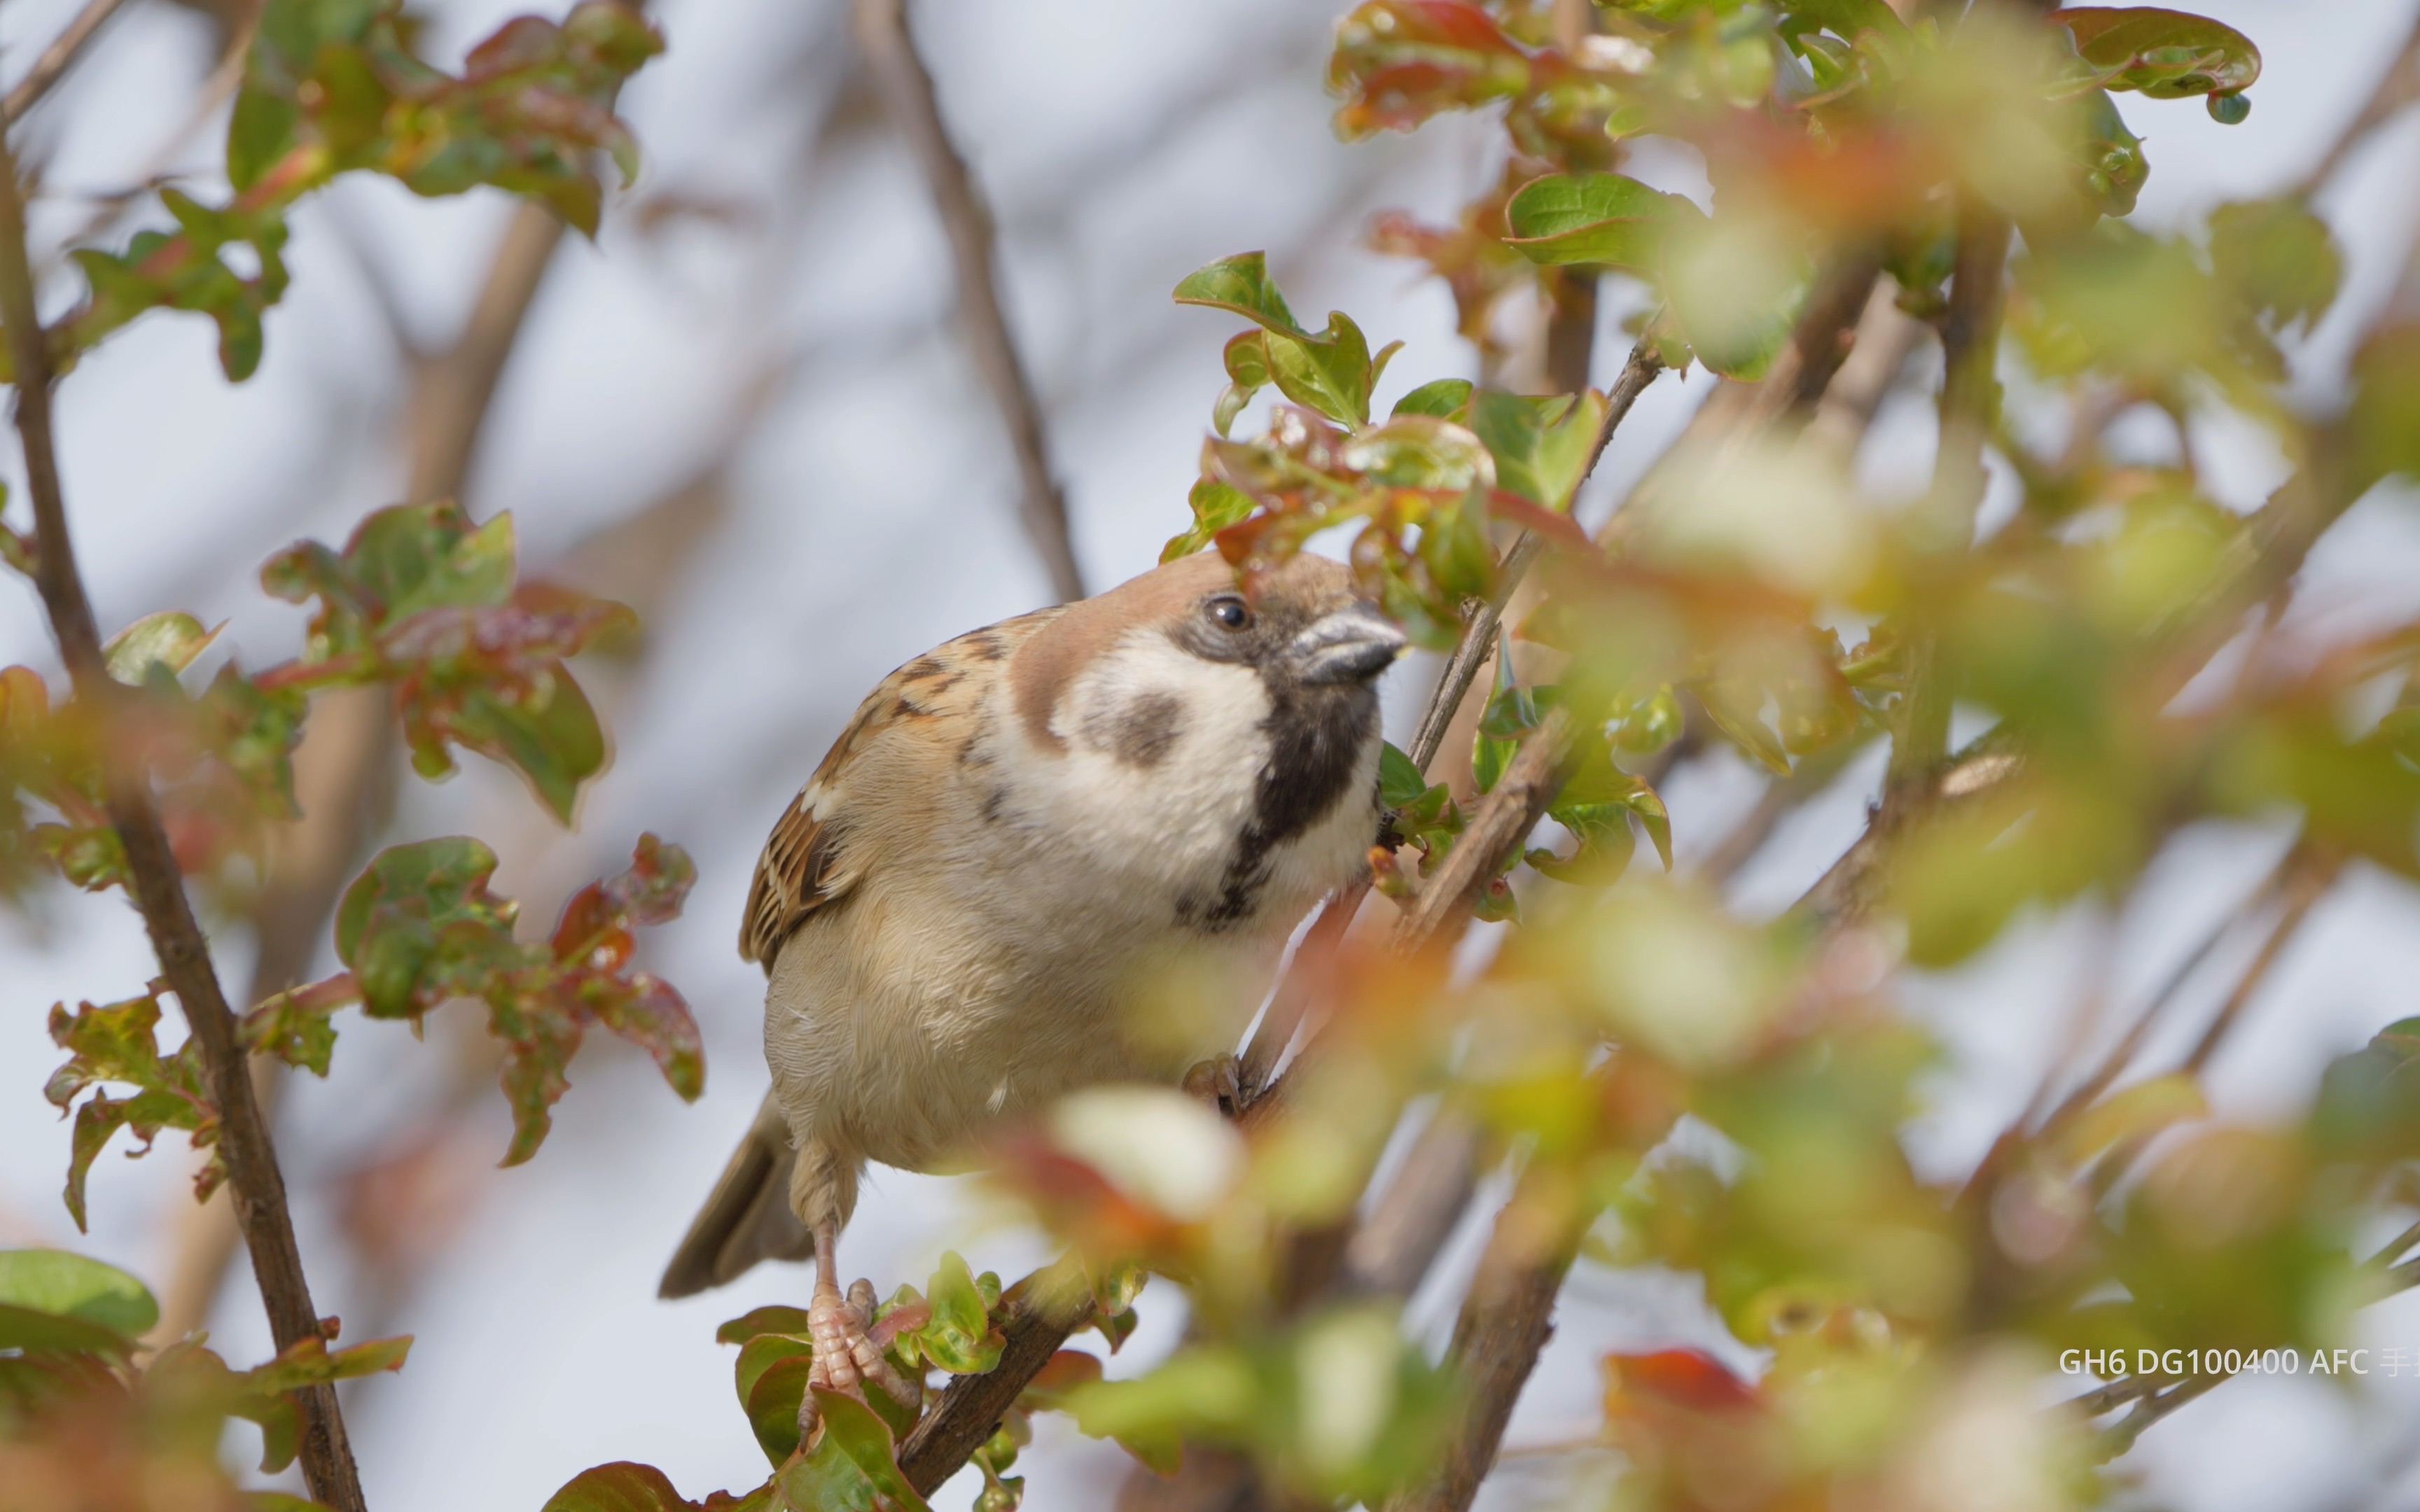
(1351, 644)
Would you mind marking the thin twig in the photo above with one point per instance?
(2305, 884)
(2151, 1408)
(1394, 1247)
(1294, 991)
(452, 393)
(55, 60)
(1781, 797)
(158, 887)
(2121, 1054)
(2398, 87)
(907, 87)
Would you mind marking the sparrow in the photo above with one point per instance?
(1013, 873)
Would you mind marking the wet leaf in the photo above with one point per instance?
(2167, 54)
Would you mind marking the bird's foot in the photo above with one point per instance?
(848, 1345)
(1217, 1081)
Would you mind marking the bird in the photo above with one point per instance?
(980, 900)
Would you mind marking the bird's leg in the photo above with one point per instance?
(848, 1354)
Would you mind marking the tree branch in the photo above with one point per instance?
(55, 60)
(451, 392)
(254, 1181)
(1504, 1325)
(2398, 87)
(1054, 1304)
(906, 88)
(1970, 342)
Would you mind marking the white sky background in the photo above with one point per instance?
(871, 515)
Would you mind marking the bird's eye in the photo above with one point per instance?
(1229, 611)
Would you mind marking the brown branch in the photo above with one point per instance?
(55, 60)
(158, 887)
(906, 88)
(2121, 1054)
(1504, 1325)
(1053, 1304)
(2398, 87)
(451, 392)
(1408, 1227)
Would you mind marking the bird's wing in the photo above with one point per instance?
(748, 1218)
(806, 863)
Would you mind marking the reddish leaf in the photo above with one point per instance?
(1688, 1378)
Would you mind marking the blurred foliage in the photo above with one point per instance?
(1670, 1083)
(89, 1418)
(333, 86)
(421, 602)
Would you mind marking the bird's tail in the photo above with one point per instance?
(747, 1219)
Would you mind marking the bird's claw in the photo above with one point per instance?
(848, 1354)
(1217, 1081)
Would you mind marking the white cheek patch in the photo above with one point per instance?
(1164, 751)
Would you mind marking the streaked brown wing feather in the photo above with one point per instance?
(801, 870)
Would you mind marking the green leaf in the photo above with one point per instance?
(1241, 283)
(1419, 452)
(1734, 288)
(119, 1042)
(1331, 374)
(1602, 218)
(1445, 398)
(773, 1396)
(2167, 54)
(959, 1336)
(553, 738)
(2278, 257)
(419, 925)
(2368, 1106)
(853, 1466)
(1400, 782)
(1540, 446)
(1216, 506)
(35, 1330)
(70, 1286)
(766, 1319)
(170, 639)
(2384, 418)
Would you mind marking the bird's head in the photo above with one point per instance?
(1307, 635)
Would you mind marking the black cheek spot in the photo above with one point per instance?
(993, 802)
(1139, 732)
